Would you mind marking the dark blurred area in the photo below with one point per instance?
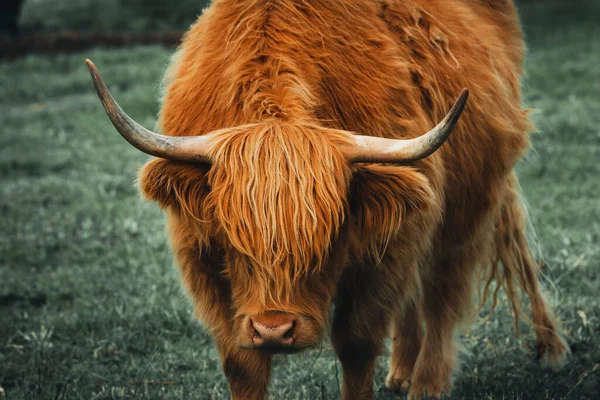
(26, 17)
(9, 17)
(51, 26)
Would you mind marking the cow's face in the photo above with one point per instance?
(275, 204)
(288, 213)
(277, 201)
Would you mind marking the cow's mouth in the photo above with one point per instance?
(275, 349)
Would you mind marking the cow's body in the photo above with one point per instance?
(401, 245)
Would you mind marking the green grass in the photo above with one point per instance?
(91, 307)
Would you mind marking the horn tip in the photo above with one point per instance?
(90, 64)
(460, 103)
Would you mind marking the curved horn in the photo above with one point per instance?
(385, 150)
(185, 148)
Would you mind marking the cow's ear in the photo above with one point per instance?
(383, 196)
(175, 185)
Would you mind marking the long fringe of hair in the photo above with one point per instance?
(279, 194)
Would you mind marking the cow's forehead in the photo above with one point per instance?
(283, 201)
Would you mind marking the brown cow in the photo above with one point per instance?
(295, 175)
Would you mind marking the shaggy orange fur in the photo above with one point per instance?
(282, 221)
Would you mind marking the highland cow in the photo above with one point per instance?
(303, 174)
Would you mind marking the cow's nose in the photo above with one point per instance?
(273, 330)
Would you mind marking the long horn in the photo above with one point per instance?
(385, 150)
(184, 148)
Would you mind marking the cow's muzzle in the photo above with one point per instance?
(274, 332)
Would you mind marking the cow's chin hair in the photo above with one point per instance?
(310, 333)
(275, 350)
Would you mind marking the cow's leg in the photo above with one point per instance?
(360, 326)
(357, 356)
(406, 344)
(447, 300)
(247, 371)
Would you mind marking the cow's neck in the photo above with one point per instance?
(267, 66)
(275, 95)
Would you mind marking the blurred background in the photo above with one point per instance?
(90, 304)
(35, 16)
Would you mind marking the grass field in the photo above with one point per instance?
(90, 305)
